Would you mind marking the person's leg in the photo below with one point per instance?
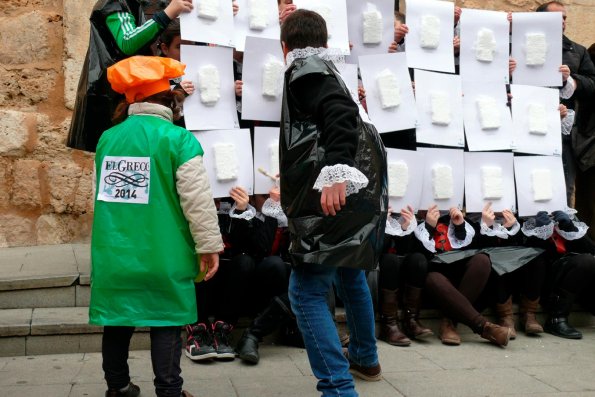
(114, 351)
(415, 271)
(199, 339)
(532, 277)
(570, 168)
(166, 350)
(389, 280)
(308, 289)
(504, 301)
(475, 276)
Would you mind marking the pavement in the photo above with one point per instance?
(529, 366)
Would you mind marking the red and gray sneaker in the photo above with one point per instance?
(199, 343)
(222, 340)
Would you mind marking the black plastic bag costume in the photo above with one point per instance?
(95, 101)
(354, 237)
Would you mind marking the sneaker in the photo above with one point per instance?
(222, 336)
(199, 343)
(132, 390)
(370, 374)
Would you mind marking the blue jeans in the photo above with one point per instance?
(308, 289)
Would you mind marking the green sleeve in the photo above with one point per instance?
(130, 38)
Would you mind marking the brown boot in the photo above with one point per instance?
(448, 333)
(411, 325)
(528, 319)
(496, 334)
(505, 316)
(389, 328)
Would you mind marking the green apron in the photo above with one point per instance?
(142, 252)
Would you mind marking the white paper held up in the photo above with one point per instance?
(541, 180)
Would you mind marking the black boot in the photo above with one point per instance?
(560, 303)
(275, 314)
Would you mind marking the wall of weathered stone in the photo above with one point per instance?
(45, 188)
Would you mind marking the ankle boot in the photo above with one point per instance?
(389, 328)
(505, 316)
(496, 334)
(448, 333)
(528, 318)
(411, 325)
(560, 303)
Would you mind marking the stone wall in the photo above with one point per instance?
(45, 188)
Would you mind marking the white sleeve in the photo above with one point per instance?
(456, 243)
(248, 214)
(393, 227)
(273, 209)
(567, 90)
(423, 235)
(582, 230)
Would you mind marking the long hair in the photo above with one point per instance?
(172, 99)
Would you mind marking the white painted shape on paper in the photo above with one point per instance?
(492, 183)
(373, 26)
(488, 112)
(430, 31)
(398, 179)
(485, 46)
(272, 76)
(440, 104)
(226, 161)
(388, 89)
(541, 180)
(536, 47)
(208, 9)
(537, 117)
(259, 14)
(274, 157)
(209, 85)
(442, 182)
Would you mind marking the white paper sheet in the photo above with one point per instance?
(426, 83)
(397, 118)
(337, 24)
(349, 74)
(479, 139)
(256, 106)
(523, 169)
(472, 69)
(241, 140)
(474, 162)
(223, 115)
(219, 31)
(441, 58)
(264, 137)
(524, 141)
(414, 161)
(549, 24)
(450, 157)
(355, 11)
(242, 24)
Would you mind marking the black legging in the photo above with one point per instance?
(528, 280)
(395, 271)
(457, 303)
(578, 274)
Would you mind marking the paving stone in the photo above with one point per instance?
(40, 297)
(12, 346)
(62, 320)
(565, 378)
(40, 390)
(15, 322)
(44, 370)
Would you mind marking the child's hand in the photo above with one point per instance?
(236, 7)
(176, 7)
(361, 93)
(511, 65)
(456, 216)
(240, 196)
(287, 11)
(333, 198)
(238, 86)
(275, 194)
(408, 216)
(456, 43)
(433, 215)
(565, 70)
(458, 12)
(187, 86)
(209, 263)
(563, 111)
(393, 47)
(400, 32)
(509, 218)
(487, 215)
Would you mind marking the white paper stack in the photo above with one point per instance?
(398, 179)
(208, 9)
(442, 182)
(536, 47)
(388, 88)
(259, 14)
(440, 103)
(485, 46)
(372, 27)
(430, 31)
(537, 119)
(226, 161)
(272, 76)
(489, 113)
(492, 183)
(542, 184)
(209, 85)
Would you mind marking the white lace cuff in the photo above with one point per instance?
(498, 230)
(248, 214)
(328, 54)
(455, 243)
(542, 232)
(582, 230)
(567, 122)
(423, 235)
(567, 90)
(393, 227)
(272, 208)
(339, 173)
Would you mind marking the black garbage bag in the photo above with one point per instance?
(95, 101)
(354, 237)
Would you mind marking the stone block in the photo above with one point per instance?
(15, 322)
(14, 132)
(83, 295)
(64, 320)
(56, 228)
(60, 390)
(5, 181)
(14, 6)
(63, 180)
(42, 297)
(16, 230)
(84, 197)
(26, 192)
(30, 37)
(12, 346)
(51, 139)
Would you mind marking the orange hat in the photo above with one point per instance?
(140, 76)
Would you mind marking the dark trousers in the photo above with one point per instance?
(166, 350)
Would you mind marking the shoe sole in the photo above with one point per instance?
(451, 342)
(249, 358)
(202, 357)
(225, 356)
(423, 336)
(367, 378)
